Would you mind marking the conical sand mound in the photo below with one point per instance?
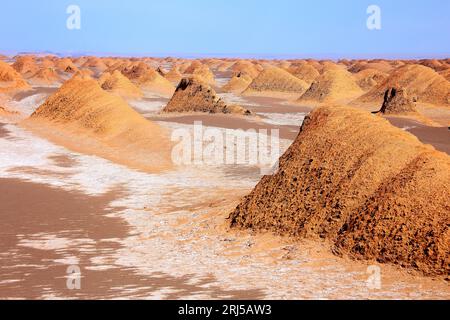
(373, 190)
(118, 84)
(423, 83)
(238, 83)
(95, 63)
(192, 95)
(445, 74)
(276, 82)
(45, 76)
(246, 67)
(174, 75)
(396, 101)
(334, 85)
(66, 65)
(148, 79)
(225, 66)
(10, 79)
(25, 65)
(369, 78)
(47, 63)
(86, 118)
(304, 72)
(205, 75)
(192, 67)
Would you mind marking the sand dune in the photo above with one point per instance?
(246, 67)
(305, 72)
(45, 76)
(118, 84)
(204, 74)
(194, 65)
(369, 78)
(192, 95)
(382, 66)
(147, 78)
(434, 64)
(10, 79)
(335, 84)
(95, 63)
(66, 65)
(446, 74)
(85, 118)
(238, 83)
(364, 185)
(422, 83)
(25, 65)
(276, 82)
(174, 75)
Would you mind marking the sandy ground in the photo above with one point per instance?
(165, 236)
(438, 137)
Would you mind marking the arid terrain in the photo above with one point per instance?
(122, 168)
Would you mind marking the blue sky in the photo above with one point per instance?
(277, 28)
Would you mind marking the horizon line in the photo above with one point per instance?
(263, 56)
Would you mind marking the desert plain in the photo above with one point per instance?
(89, 179)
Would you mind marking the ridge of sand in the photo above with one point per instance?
(276, 82)
(382, 66)
(335, 84)
(85, 118)
(422, 83)
(193, 95)
(237, 83)
(352, 178)
(434, 64)
(225, 66)
(118, 84)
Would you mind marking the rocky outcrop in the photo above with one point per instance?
(193, 95)
(421, 82)
(396, 101)
(372, 190)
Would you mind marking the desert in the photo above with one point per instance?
(220, 150)
(363, 148)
